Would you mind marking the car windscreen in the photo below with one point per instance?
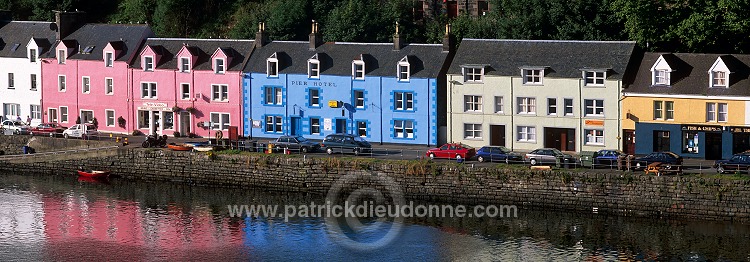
(360, 139)
(301, 139)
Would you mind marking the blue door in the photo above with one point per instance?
(340, 125)
(296, 126)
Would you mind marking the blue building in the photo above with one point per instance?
(383, 92)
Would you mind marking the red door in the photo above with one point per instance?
(628, 143)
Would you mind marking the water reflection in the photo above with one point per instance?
(60, 218)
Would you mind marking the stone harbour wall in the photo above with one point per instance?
(622, 193)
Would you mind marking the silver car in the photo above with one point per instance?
(548, 156)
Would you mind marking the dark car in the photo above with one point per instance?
(739, 162)
(549, 156)
(451, 151)
(668, 160)
(295, 143)
(606, 157)
(50, 129)
(497, 153)
(345, 143)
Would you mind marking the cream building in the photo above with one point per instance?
(528, 94)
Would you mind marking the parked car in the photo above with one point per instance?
(295, 143)
(549, 156)
(50, 129)
(345, 143)
(18, 127)
(737, 163)
(668, 159)
(452, 151)
(80, 131)
(606, 157)
(497, 153)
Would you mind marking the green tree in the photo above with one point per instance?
(134, 11)
(288, 20)
(357, 20)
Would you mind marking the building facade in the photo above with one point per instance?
(86, 76)
(528, 94)
(385, 93)
(694, 105)
(24, 43)
(189, 86)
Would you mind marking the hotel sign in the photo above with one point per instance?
(591, 122)
(701, 128)
(740, 129)
(154, 106)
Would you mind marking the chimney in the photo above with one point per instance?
(448, 39)
(398, 43)
(315, 38)
(68, 22)
(261, 38)
(6, 15)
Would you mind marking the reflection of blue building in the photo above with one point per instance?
(386, 93)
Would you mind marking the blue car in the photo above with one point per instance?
(606, 157)
(738, 163)
(497, 153)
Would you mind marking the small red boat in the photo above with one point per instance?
(179, 147)
(93, 173)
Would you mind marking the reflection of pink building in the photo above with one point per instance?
(179, 84)
(86, 73)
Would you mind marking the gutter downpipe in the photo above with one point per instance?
(512, 118)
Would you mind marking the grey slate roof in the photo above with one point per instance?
(239, 50)
(562, 58)
(425, 60)
(690, 75)
(21, 32)
(99, 35)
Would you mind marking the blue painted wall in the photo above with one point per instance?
(644, 140)
(379, 110)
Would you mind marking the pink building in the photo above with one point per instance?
(86, 74)
(189, 85)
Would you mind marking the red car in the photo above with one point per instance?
(50, 129)
(452, 151)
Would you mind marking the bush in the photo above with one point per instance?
(176, 134)
(137, 132)
(192, 135)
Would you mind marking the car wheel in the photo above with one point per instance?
(432, 156)
(458, 157)
(720, 169)
(66, 136)
(16, 132)
(303, 149)
(51, 134)
(31, 133)
(277, 149)
(533, 162)
(480, 158)
(146, 144)
(329, 151)
(356, 151)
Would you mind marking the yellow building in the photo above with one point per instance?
(691, 104)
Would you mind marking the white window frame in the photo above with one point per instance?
(361, 128)
(668, 113)
(722, 115)
(223, 123)
(61, 56)
(661, 77)
(313, 67)
(473, 74)
(313, 97)
(658, 110)
(220, 65)
(403, 128)
(33, 55)
(405, 103)
(472, 131)
(720, 79)
(62, 83)
(148, 63)
(150, 89)
(533, 76)
(64, 116)
(499, 104)
(594, 78)
(403, 70)
(276, 121)
(184, 64)
(272, 66)
(359, 101)
(220, 93)
(276, 94)
(357, 73)
(593, 137)
(52, 115)
(109, 59)
(473, 103)
(12, 109)
(185, 94)
(526, 134)
(566, 106)
(315, 126)
(36, 111)
(109, 86)
(595, 106)
(107, 117)
(83, 120)
(85, 85)
(33, 81)
(526, 106)
(551, 106)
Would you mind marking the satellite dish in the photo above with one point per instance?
(53, 27)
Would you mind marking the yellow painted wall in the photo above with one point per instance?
(686, 111)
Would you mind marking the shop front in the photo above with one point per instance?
(690, 141)
(155, 118)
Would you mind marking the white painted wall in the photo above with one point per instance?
(22, 94)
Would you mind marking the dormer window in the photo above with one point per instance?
(109, 59)
(358, 69)
(184, 64)
(272, 66)
(473, 74)
(313, 67)
(661, 72)
(403, 69)
(719, 79)
(594, 78)
(32, 55)
(61, 56)
(533, 76)
(219, 66)
(148, 63)
(719, 73)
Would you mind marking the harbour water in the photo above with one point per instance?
(59, 218)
